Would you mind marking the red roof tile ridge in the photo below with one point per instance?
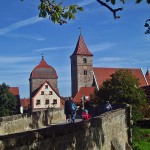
(14, 90)
(43, 64)
(83, 91)
(81, 48)
(116, 68)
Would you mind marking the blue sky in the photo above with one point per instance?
(24, 37)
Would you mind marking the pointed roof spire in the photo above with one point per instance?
(43, 64)
(81, 48)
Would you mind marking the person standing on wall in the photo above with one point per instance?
(70, 110)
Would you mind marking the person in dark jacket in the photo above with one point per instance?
(70, 110)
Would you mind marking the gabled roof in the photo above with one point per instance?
(44, 71)
(25, 102)
(57, 93)
(101, 74)
(83, 91)
(14, 90)
(81, 48)
(50, 86)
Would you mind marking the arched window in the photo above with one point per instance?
(84, 60)
(85, 72)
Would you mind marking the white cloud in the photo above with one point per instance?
(53, 48)
(101, 47)
(86, 2)
(20, 24)
(10, 60)
(110, 59)
(33, 37)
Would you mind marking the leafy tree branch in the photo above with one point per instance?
(60, 14)
(56, 12)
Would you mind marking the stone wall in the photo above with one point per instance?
(25, 122)
(105, 132)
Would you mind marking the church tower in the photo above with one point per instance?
(81, 67)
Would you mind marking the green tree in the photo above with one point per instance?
(8, 101)
(123, 87)
(59, 13)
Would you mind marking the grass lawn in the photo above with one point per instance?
(141, 139)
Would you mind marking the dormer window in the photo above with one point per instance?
(85, 72)
(84, 60)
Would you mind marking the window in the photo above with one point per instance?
(50, 92)
(42, 92)
(85, 72)
(84, 60)
(47, 102)
(38, 102)
(54, 101)
(46, 86)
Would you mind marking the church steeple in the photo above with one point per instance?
(81, 67)
(81, 48)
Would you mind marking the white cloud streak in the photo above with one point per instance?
(53, 48)
(10, 60)
(86, 2)
(101, 47)
(33, 37)
(20, 24)
(110, 59)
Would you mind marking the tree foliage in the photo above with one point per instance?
(8, 101)
(123, 87)
(57, 12)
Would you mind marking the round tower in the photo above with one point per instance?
(41, 73)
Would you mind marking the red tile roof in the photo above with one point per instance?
(43, 70)
(43, 64)
(14, 90)
(81, 48)
(25, 102)
(84, 91)
(101, 74)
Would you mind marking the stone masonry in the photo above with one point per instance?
(105, 132)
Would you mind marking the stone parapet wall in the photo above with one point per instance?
(105, 132)
(25, 122)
